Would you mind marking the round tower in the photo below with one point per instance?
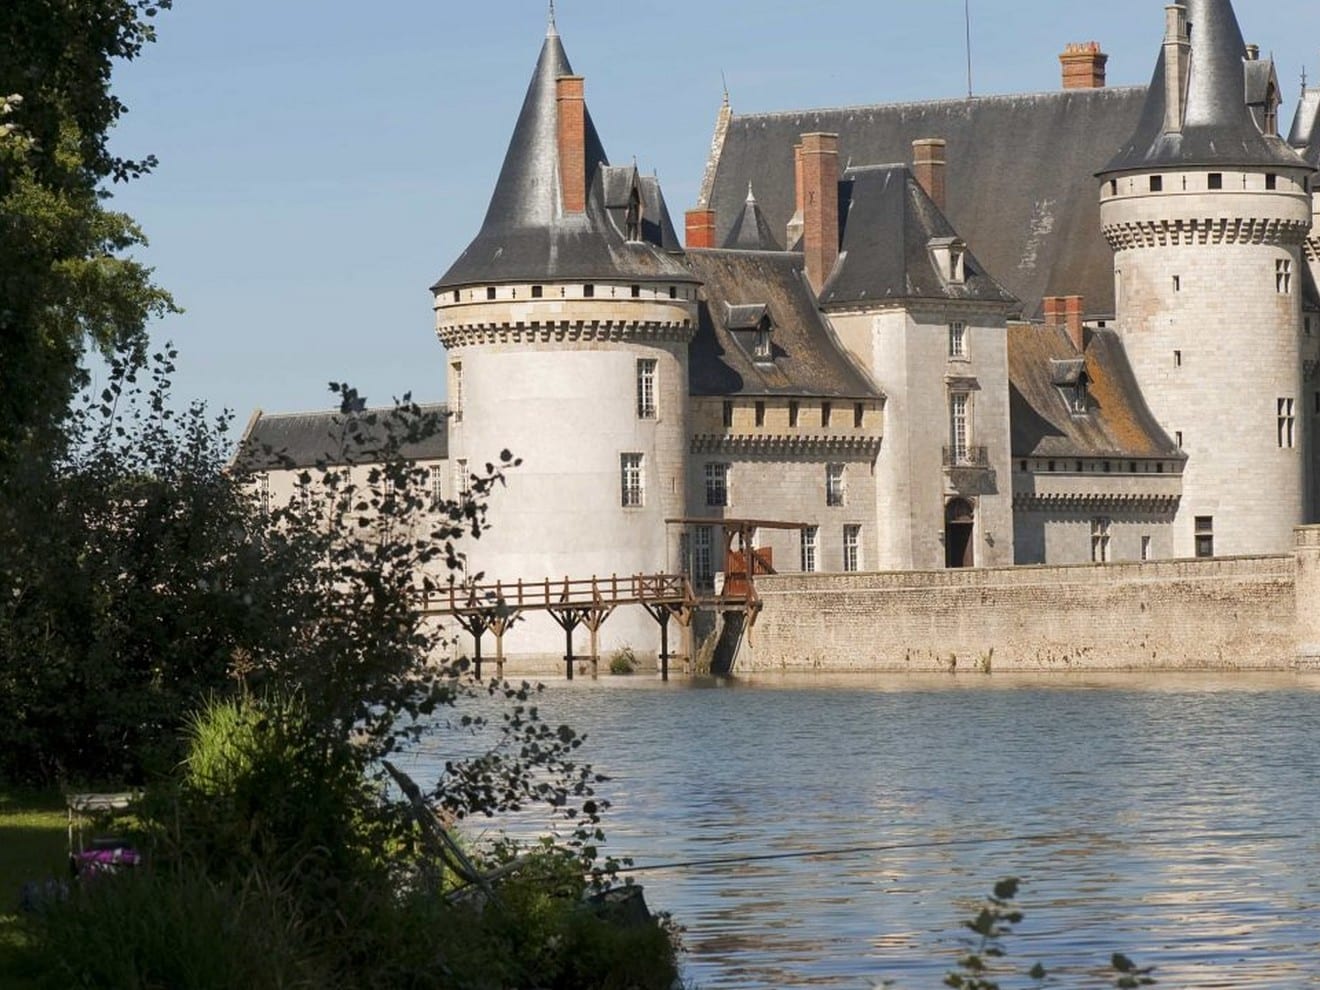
(1207, 214)
(567, 323)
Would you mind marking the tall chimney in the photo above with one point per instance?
(1053, 310)
(700, 225)
(820, 205)
(1083, 66)
(1177, 66)
(1072, 321)
(570, 96)
(797, 221)
(928, 163)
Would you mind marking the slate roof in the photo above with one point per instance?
(752, 231)
(1042, 367)
(302, 440)
(887, 225)
(526, 236)
(1305, 133)
(1020, 185)
(1218, 128)
(807, 358)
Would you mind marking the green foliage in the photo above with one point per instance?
(624, 661)
(68, 278)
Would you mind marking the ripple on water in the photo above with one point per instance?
(1167, 817)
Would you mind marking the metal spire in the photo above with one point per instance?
(552, 29)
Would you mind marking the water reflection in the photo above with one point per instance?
(1170, 816)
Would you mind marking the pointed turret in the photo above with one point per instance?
(751, 231)
(1305, 133)
(1196, 111)
(547, 219)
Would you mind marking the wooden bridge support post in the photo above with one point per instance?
(664, 645)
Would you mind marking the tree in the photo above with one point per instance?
(66, 280)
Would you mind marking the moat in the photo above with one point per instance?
(1171, 817)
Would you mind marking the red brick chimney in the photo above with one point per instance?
(929, 159)
(570, 95)
(1083, 66)
(1072, 321)
(700, 231)
(820, 205)
(1053, 310)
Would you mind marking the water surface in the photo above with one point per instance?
(1171, 817)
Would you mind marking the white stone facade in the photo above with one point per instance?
(1208, 290)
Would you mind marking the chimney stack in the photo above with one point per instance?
(1253, 53)
(1072, 321)
(928, 164)
(700, 225)
(820, 206)
(1083, 66)
(1053, 310)
(570, 95)
(1177, 66)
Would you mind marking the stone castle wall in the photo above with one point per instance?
(1227, 613)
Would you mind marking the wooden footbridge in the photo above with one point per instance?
(482, 608)
(494, 608)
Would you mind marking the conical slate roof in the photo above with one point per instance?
(1305, 134)
(751, 231)
(526, 235)
(1218, 128)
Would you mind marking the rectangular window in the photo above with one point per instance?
(263, 493)
(1157, 183)
(462, 483)
(437, 487)
(825, 411)
(1271, 181)
(631, 481)
(702, 572)
(810, 544)
(760, 415)
(636, 292)
(1177, 359)
(1215, 180)
(957, 339)
(1205, 536)
(1178, 439)
(1145, 548)
(456, 392)
(490, 292)
(852, 548)
(1100, 540)
(728, 415)
(793, 414)
(717, 485)
(538, 292)
(836, 485)
(1287, 419)
(1283, 276)
(1177, 283)
(859, 415)
(588, 292)
(958, 427)
(646, 388)
(673, 292)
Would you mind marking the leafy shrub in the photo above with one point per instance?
(624, 661)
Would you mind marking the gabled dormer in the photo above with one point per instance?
(752, 327)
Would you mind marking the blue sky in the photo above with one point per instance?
(323, 162)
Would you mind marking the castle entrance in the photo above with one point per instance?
(959, 526)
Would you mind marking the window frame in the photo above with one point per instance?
(852, 548)
(836, 484)
(716, 477)
(646, 375)
(632, 480)
(809, 550)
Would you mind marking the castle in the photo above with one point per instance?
(1073, 326)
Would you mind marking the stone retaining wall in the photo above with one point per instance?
(1226, 613)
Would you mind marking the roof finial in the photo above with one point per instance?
(552, 29)
(751, 196)
(725, 80)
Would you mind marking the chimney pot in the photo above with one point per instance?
(1083, 65)
(929, 157)
(820, 207)
(570, 97)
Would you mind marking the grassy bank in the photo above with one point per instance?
(33, 846)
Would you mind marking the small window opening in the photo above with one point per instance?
(793, 414)
(1215, 180)
(825, 414)
(728, 415)
(1271, 181)
(455, 295)
(673, 292)
(1177, 359)
(636, 291)
(1178, 439)
(1205, 536)
(760, 414)
(1049, 466)
(490, 292)
(859, 415)
(1177, 283)
(589, 291)
(1113, 187)
(538, 291)
(1283, 276)
(1157, 183)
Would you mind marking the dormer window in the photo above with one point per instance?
(633, 220)
(1271, 111)
(1074, 384)
(752, 328)
(761, 346)
(948, 253)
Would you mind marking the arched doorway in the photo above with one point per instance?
(959, 527)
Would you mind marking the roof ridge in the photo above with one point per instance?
(947, 101)
(339, 412)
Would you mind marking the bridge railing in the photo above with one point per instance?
(560, 593)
